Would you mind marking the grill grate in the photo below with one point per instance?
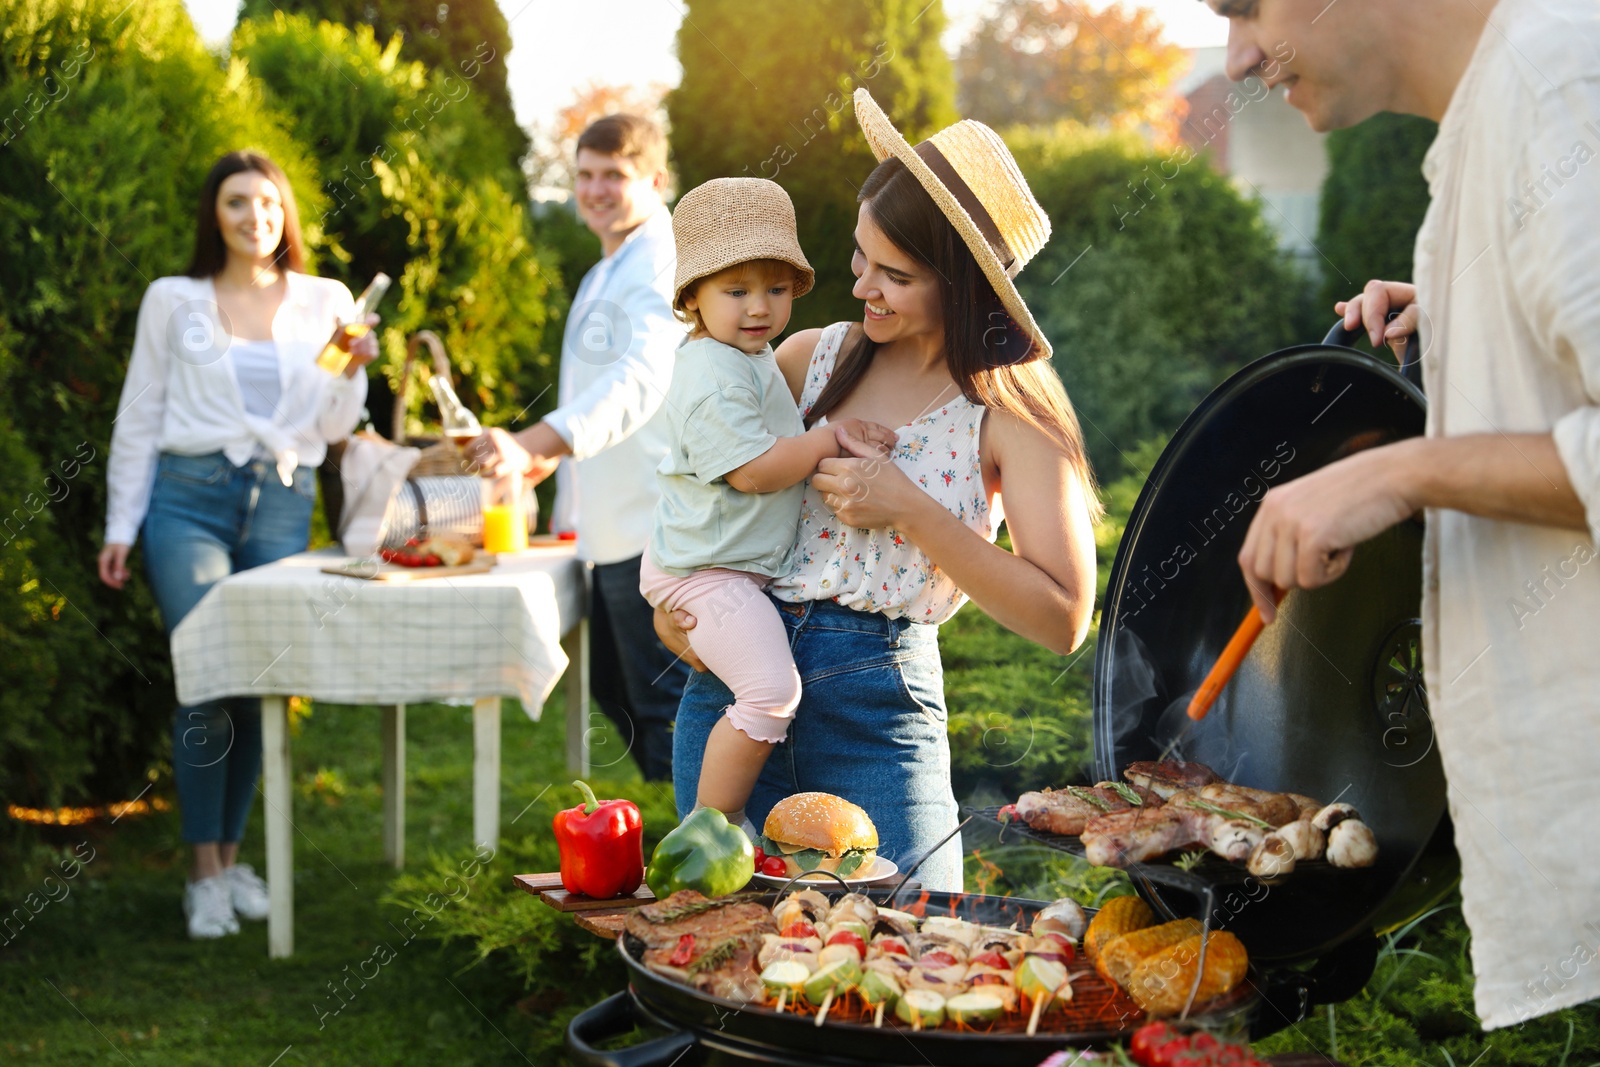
(1211, 872)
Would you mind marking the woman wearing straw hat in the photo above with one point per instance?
(948, 354)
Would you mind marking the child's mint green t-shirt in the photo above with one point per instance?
(723, 409)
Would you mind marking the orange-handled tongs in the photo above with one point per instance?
(1228, 663)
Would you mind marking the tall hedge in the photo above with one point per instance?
(1158, 281)
(1373, 200)
(417, 186)
(113, 113)
(460, 36)
(770, 97)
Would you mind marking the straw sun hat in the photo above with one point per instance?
(971, 175)
(734, 220)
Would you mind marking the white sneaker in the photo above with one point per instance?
(249, 892)
(206, 906)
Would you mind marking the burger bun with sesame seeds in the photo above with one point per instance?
(819, 832)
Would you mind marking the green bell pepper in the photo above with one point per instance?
(705, 853)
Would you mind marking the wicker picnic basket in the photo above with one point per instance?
(440, 457)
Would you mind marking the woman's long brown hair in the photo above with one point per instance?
(988, 354)
(210, 251)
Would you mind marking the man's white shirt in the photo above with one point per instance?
(616, 364)
(1508, 279)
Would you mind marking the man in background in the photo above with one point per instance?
(603, 440)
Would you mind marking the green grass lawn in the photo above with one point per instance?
(105, 974)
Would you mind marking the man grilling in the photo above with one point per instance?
(1506, 299)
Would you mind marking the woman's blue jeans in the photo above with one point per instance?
(871, 727)
(208, 519)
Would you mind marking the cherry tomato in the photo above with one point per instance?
(430, 560)
(1172, 1052)
(851, 938)
(761, 858)
(799, 929)
(1146, 1039)
(937, 959)
(891, 947)
(992, 959)
(774, 866)
(1204, 1042)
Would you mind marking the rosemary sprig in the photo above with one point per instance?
(1089, 798)
(1190, 860)
(694, 907)
(1213, 809)
(1127, 793)
(715, 957)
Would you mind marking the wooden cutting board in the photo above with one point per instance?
(377, 571)
(547, 887)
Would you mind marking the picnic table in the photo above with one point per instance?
(290, 629)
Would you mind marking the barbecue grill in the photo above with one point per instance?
(725, 1032)
(1330, 703)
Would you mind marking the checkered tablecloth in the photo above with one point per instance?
(289, 629)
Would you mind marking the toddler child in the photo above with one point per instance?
(736, 467)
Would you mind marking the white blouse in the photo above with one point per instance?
(182, 392)
(881, 570)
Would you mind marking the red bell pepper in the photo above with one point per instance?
(683, 953)
(602, 846)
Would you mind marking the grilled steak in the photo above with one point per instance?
(1125, 837)
(708, 944)
(1274, 808)
(1067, 810)
(1169, 776)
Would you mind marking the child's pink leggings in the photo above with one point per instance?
(739, 636)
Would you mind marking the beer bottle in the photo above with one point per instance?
(336, 353)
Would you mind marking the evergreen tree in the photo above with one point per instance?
(460, 38)
(417, 186)
(1373, 200)
(770, 97)
(1158, 282)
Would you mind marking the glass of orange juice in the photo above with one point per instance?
(505, 520)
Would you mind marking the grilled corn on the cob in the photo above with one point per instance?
(1119, 956)
(1161, 982)
(1118, 916)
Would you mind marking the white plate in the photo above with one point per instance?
(879, 870)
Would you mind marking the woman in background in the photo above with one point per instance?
(223, 420)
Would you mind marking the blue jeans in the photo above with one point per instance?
(634, 678)
(870, 728)
(207, 520)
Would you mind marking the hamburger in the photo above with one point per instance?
(819, 832)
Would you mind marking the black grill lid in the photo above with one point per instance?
(1330, 701)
